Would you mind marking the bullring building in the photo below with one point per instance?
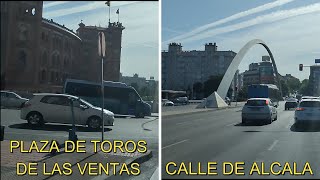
(38, 54)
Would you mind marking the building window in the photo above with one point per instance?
(44, 58)
(43, 76)
(22, 58)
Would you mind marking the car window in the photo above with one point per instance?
(58, 100)
(256, 103)
(310, 104)
(3, 94)
(11, 95)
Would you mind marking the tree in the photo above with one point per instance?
(305, 88)
(285, 88)
(293, 84)
(243, 93)
(211, 85)
(197, 89)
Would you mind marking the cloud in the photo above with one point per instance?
(84, 8)
(269, 18)
(230, 18)
(51, 4)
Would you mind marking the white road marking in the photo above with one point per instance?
(273, 145)
(183, 123)
(175, 143)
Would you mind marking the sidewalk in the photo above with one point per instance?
(193, 109)
(9, 162)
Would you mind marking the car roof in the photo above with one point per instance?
(54, 94)
(318, 100)
(258, 99)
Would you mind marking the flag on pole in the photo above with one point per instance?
(117, 11)
(108, 3)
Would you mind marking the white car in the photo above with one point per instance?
(56, 108)
(257, 109)
(166, 102)
(308, 110)
(11, 99)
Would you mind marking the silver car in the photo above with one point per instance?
(56, 108)
(308, 110)
(258, 109)
(11, 100)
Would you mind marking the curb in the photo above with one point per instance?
(207, 109)
(140, 159)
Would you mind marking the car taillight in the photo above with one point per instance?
(300, 109)
(267, 102)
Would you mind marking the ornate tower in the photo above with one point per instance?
(21, 61)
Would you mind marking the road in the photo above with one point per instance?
(125, 128)
(218, 136)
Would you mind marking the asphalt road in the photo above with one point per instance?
(125, 128)
(219, 136)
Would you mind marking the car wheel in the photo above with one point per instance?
(243, 121)
(94, 122)
(269, 121)
(276, 118)
(140, 115)
(35, 119)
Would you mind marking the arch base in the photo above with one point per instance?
(213, 101)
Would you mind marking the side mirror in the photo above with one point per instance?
(83, 107)
(276, 105)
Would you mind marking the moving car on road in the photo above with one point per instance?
(11, 100)
(307, 111)
(291, 103)
(259, 109)
(118, 97)
(56, 108)
(166, 102)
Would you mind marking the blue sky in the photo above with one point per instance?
(140, 39)
(291, 29)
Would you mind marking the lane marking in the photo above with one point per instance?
(273, 145)
(175, 143)
(184, 123)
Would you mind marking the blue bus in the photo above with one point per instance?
(264, 91)
(118, 97)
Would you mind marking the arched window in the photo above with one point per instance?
(22, 58)
(43, 76)
(44, 58)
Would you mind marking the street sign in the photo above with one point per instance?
(317, 60)
(102, 45)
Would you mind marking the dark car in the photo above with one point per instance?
(291, 103)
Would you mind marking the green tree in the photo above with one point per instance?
(305, 88)
(243, 93)
(197, 89)
(211, 85)
(293, 84)
(285, 88)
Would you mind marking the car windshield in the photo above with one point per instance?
(310, 104)
(256, 103)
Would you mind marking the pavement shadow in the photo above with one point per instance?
(56, 127)
(308, 127)
(251, 124)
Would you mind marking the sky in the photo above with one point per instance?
(290, 28)
(140, 38)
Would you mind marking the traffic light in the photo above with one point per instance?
(300, 67)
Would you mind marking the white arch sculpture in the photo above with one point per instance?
(216, 99)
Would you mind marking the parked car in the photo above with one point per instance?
(181, 100)
(166, 102)
(257, 109)
(11, 100)
(308, 110)
(56, 108)
(291, 103)
(227, 100)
